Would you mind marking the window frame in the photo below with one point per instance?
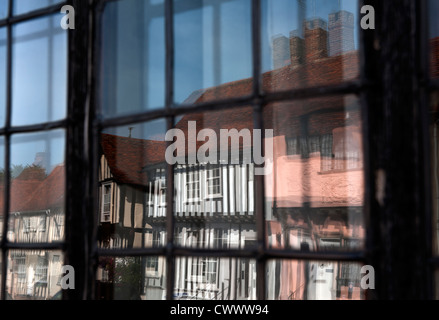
(84, 125)
(104, 213)
(191, 185)
(213, 168)
(366, 87)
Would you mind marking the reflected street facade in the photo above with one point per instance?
(313, 195)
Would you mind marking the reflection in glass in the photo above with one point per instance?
(314, 194)
(39, 71)
(132, 190)
(132, 57)
(214, 191)
(308, 43)
(34, 275)
(313, 280)
(3, 8)
(37, 199)
(212, 49)
(131, 278)
(24, 6)
(3, 68)
(214, 278)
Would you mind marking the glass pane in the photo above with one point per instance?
(39, 71)
(213, 178)
(133, 186)
(131, 278)
(37, 198)
(213, 278)
(309, 43)
(132, 57)
(24, 6)
(212, 50)
(3, 82)
(314, 192)
(34, 275)
(316, 280)
(3, 8)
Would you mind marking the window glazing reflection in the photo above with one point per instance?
(37, 198)
(39, 71)
(25, 6)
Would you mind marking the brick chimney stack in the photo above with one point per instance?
(316, 39)
(281, 51)
(297, 48)
(341, 32)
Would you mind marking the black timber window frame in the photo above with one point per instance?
(71, 124)
(393, 88)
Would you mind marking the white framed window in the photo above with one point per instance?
(41, 270)
(42, 223)
(30, 224)
(192, 185)
(152, 264)
(162, 192)
(20, 269)
(160, 187)
(204, 269)
(213, 182)
(106, 203)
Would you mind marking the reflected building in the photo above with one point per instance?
(313, 195)
(36, 216)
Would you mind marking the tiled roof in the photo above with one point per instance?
(32, 190)
(330, 70)
(127, 157)
(50, 193)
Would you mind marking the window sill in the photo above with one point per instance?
(339, 171)
(192, 201)
(213, 196)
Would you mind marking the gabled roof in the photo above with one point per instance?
(50, 193)
(32, 190)
(127, 157)
(284, 117)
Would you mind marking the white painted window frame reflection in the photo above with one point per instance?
(193, 171)
(213, 178)
(106, 216)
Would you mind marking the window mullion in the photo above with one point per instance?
(258, 124)
(80, 169)
(395, 184)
